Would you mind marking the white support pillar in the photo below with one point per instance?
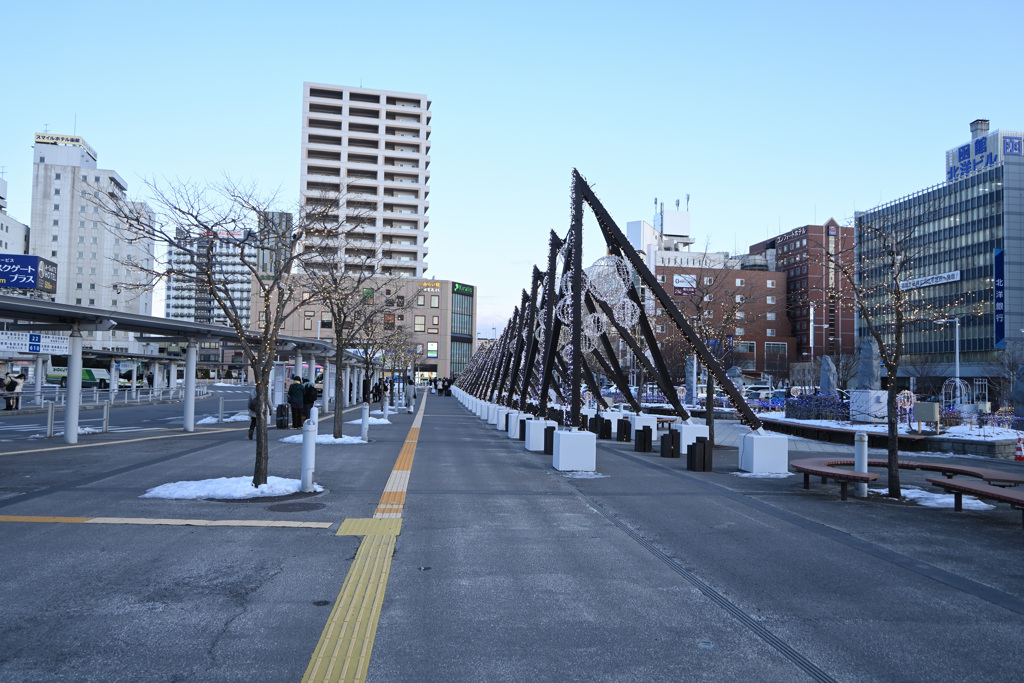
(113, 377)
(327, 384)
(40, 376)
(135, 379)
(297, 360)
(312, 369)
(346, 391)
(74, 387)
(172, 376)
(190, 385)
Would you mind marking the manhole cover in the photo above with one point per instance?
(296, 507)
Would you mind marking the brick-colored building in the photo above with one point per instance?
(743, 309)
(814, 284)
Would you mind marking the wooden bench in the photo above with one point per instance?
(823, 467)
(959, 487)
(989, 475)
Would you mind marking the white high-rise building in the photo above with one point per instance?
(70, 228)
(13, 233)
(371, 148)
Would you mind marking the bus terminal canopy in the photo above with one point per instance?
(34, 315)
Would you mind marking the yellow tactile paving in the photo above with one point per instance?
(369, 526)
(343, 652)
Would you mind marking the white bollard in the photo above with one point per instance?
(106, 416)
(366, 422)
(386, 406)
(860, 461)
(49, 419)
(309, 432)
(220, 410)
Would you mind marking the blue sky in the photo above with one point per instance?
(770, 115)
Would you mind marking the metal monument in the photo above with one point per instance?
(559, 334)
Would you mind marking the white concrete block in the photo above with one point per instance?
(513, 424)
(764, 453)
(499, 423)
(638, 422)
(492, 413)
(535, 434)
(688, 434)
(575, 451)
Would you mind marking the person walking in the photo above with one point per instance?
(295, 400)
(254, 406)
(308, 398)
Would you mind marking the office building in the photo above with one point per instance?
(966, 257)
(439, 317)
(817, 296)
(366, 156)
(70, 227)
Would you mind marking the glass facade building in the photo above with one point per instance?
(964, 250)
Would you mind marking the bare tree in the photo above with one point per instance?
(344, 274)
(718, 300)
(882, 271)
(201, 223)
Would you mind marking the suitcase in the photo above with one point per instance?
(282, 417)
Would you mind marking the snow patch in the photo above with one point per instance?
(228, 488)
(584, 475)
(937, 500)
(326, 439)
(371, 421)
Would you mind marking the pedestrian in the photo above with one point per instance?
(254, 406)
(308, 398)
(12, 387)
(295, 401)
(149, 380)
(446, 387)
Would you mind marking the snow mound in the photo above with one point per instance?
(325, 438)
(230, 488)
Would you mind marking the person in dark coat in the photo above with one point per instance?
(295, 401)
(308, 398)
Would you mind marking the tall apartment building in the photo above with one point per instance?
(366, 153)
(13, 233)
(70, 228)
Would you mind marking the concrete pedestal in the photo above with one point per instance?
(764, 453)
(513, 424)
(492, 413)
(575, 451)
(688, 434)
(482, 409)
(535, 434)
(638, 422)
(868, 405)
(499, 422)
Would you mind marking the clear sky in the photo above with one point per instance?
(769, 115)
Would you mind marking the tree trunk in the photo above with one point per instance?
(892, 418)
(339, 394)
(709, 405)
(259, 474)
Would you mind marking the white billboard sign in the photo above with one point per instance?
(28, 342)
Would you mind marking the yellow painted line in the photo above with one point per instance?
(343, 652)
(168, 522)
(370, 527)
(50, 520)
(288, 524)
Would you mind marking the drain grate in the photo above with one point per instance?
(296, 507)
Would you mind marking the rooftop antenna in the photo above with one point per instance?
(2, 170)
(46, 128)
(677, 205)
(74, 129)
(687, 201)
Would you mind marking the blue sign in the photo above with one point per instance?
(999, 301)
(1013, 147)
(24, 271)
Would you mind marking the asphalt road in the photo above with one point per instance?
(505, 570)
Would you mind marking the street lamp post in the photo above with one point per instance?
(812, 331)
